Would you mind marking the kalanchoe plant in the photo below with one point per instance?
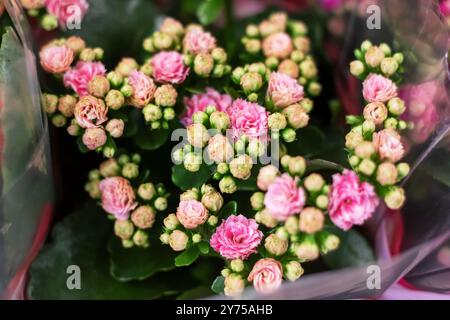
(374, 144)
(127, 197)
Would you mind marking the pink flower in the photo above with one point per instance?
(248, 118)
(143, 88)
(199, 102)
(277, 45)
(56, 59)
(90, 112)
(444, 6)
(266, 176)
(236, 238)
(283, 90)
(94, 138)
(168, 66)
(330, 5)
(79, 77)
(388, 144)
(191, 213)
(118, 197)
(284, 198)
(377, 88)
(198, 41)
(266, 275)
(67, 10)
(351, 201)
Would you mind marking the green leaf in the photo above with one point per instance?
(139, 263)
(80, 240)
(186, 180)
(354, 250)
(232, 92)
(206, 269)
(218, 285)
(151, 139)
(229, 209)
(321, 165)
(310, 140)
(203, 247)
(209, 10)
(81, 146)
(187, 257)
(196, 293)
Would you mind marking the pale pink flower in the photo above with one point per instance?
(191, 213)
(284, 198)
(199, 102)
(377, 88)
(198, 41)
(143, 88)
(388, 144)
(168, 67)
(350, 200)
(283, 90)
(248, 118)
(118, 197)
(266, 176)
(266, 275)
(236, 238)
(56, 59)
(94, 138)
(67, 10)
(79, 77)
(90, 112)
(277, 45)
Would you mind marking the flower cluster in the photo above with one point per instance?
(126, 196)
(54, 13)
(178, 49)
(374, 143)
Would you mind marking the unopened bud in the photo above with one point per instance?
(171, 221)
(115, 78)
(288, 135)
(87, 54)
(252, 30)
(213, 220)
(219, 55)
(387, 174)
(212, 200)
(291, 225)
(296, 116)
(166, 96)
(146, 191)
(168, 114)
(314, 182)
(403, 169)
(191, 194)
(196, 238)
(374, 55)
(395, 198)
(152, 113)
(130, 170)
(251, 82)
(49, 103)
(124, 229)
(252, 46)
(219, 120)
(277, 121)
(203, 64)
(328, 242)
(162, 41)
(237, 74)
(164, 238)
(290, 68)
(311, 220)
(356, 68)
(391, 123)
(365, 149)
(275, 245)
(98, 86)
(367, 167)
(241, 167)
(308, 69)
(192, 162)
(140, 239)
(237, 265)
(322, 201)
(267, 220)
(160, 203)
(227, 185)
(49, 22)
(115, 127)
(126, 66)
(389, 66)
(143, 217)
(197, 135)
(234, 285)
(396, 106)
(307, 250)
(178, 240)
(257, 201)
(293, 270)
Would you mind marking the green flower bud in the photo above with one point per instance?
(252, 31)
(59, 120)
(399, 57)
(109, 152)
(277, 121)
(293, 270)
(212, 200)
(367, 167)
(307, 250)
(396, 106)
(203, 64)
(218, 71)
(241, 167)
(373, 57)
(308, 69)
(99, 53)
(192, 162)
(275, 245)
(140, 239)
(357, 68)
(188, 59)
(251, 82)
(219, 120)
(252, 97)
(389, 66)
(387, 174)
(126, 90)
(147, 44)
(171, 222)
(199, 117)
(288, 134)
(123, 159)
(395, 198)
(296, 165)
(152, 113)
(328, 242)
(257, 201)
(49, 22)
(390, 123)
(114, 99)
(314, 88)
(237, 265)
(403, 169)
(237, 74)
(365, 45)
(291, 225)
(168, 114)
(322, 201)
(88, 54)
(225, 272)
(365, 149)
(272, 63)
(197, 135)
(146, 191)
(219, 55)
(166, 96)
(49, 103)
(115, 78)
(314, 182)
(298, 28)
(307, 104)
(160, 204)
(196, 238)
(354, 161)
(92, 187)
(227, 185)
(178, 240)
(162, 41)
(164, 238)
(257, 67)
(252, 46)
(213, 220)
(368, 127)
(223, 168)
(130, 170)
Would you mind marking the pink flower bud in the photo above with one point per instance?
(56, 59)
(115, 127)
(376, 112)
(79, 77)
(266, 275)
(388, 144)
(124, 229)
(66, 105)
(168, 67)
(143, 89)
(143, 217)
(90, 112)
(289, 68)
(172, 27)
(75, 43)
(220, 149)
(98, 86)
(311, 220)
(126, 66)
(178, 240)
(377, 88)
(94, 138)
(118, 197)
(266, 176)
(236, 238)
(374, 56)
(241, 167)
(283, 90)
(234, 285)
(198, 41)
(191, 213)
(109, 168)
(296, 116)
(278, 45)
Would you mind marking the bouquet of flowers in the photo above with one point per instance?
(217, 166)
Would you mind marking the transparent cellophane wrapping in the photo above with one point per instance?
(26, 184)
(412, 244)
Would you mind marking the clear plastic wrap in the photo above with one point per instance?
(26, 183)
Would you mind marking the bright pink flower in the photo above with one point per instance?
(266, 275)
(445, 8)
(248, 118)
(118, 197)
(56, 59)
(168, 66)
(143, 88)
(67, 10)
(191, 213)
(388, 144)
(351, 201)
(79, 77)
(377, 88)
(198, 41)
(277, 45)
(283, 90)
(284, 198)
(236, 238)
(90, 112)
(199, 102)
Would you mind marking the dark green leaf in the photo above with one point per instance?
(206, 269)
(81, 146)
(187, 257)
(229, 209)
(354, 250)
(310, 140)
(218, 285)
(80, 240)
(203, 247)
(209, 10)
(321, 165)
(196, 293)
(186, 180)
(139, 263)
(151, 139)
